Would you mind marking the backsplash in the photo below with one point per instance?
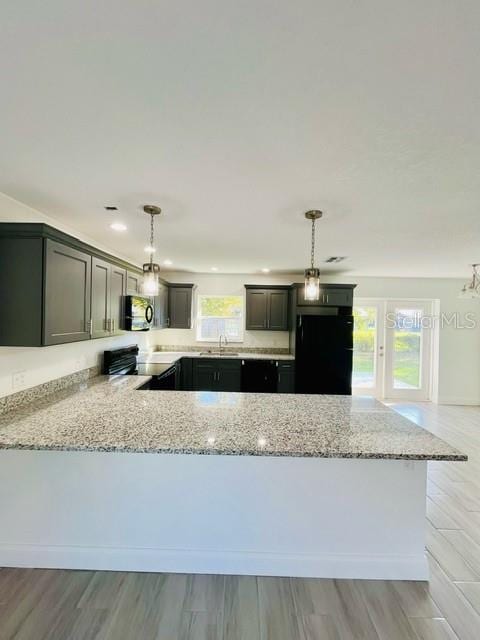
(21, 398)
(212, 347)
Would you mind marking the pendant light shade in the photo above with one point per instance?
(312, 274)
(312, 284)
(471, 289)
(151, 270)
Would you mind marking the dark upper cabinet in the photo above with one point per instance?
(267, 308)
(56, 289)
(133, 283)
(161, 307)
(118, 287)
(100, 310)
(330, 295)
(216, 374)
(180, 306)
(67, 294)
(257, 309)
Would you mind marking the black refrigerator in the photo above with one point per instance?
(323, 354)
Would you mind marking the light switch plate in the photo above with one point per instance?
(19, 380)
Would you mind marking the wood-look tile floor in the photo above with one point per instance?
(85, 605)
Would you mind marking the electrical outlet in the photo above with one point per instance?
(19, 380)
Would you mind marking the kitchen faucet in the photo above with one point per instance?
(220, 342)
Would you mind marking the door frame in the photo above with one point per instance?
(383, 388)
(424, 391)
(378, 388)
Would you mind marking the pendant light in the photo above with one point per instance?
(151, 269)
(471, 289)
(312, 275)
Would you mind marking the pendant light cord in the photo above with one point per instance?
(151, 238)
(312, 256)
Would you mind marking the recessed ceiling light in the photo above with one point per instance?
(167, 263)
(111, 208)
(118, 226)
(149, 249)
(265, 270)
(214, 268)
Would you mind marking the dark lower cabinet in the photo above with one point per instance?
(249, 376)
(286, 376)
(212, 374)
(67, 294)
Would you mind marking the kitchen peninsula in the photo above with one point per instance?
(104, 476)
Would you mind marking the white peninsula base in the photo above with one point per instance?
(279, 516)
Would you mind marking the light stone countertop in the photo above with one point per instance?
(109, 414)
(169, 357)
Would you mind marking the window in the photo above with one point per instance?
(220, 316)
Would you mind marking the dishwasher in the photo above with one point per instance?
(259, 376)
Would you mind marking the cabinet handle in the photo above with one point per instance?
(90, 326)
(168, 322)
(276, 363)
(112, 326)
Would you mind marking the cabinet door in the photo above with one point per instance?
(278, 310)
(118, 286)
(229, 375)
(286, 377)
(180, 307)
(161, 307)
(133, 283)
(100, 311)
(204, 375)
(67, 294)
(329, 296)
(257, 309)
(337, 297)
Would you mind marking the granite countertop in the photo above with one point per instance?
(169, 357)
(109, 414)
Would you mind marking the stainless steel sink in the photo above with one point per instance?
(226, 354)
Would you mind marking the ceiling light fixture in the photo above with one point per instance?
(167, 263)
(151, 269)
(118, 226)
(471, 289)
(312, 274)
(214, 268)
(265, 270)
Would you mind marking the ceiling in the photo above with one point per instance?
(236, 117)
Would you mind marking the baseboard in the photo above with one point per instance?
(371, 567)
(468, 401)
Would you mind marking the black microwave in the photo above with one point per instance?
(138, 313)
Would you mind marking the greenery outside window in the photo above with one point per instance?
(220, 316)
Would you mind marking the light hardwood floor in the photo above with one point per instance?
(84, 605)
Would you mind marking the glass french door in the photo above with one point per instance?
(368, 347)
(408, 349)
(392, 349)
